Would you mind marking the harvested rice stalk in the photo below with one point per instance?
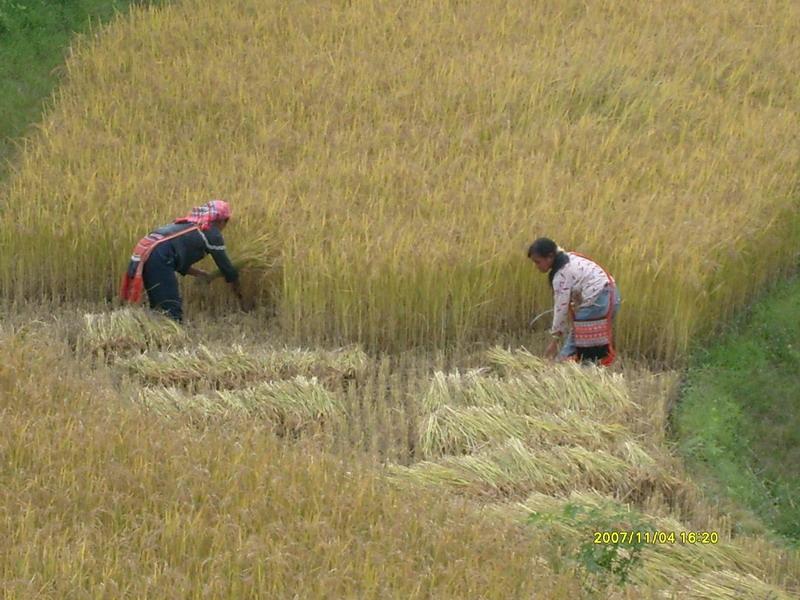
(729, 585)
(552, 391)
(514, 470)
(595, 469)
(450, 388)
(585, 379)
(428, 473)
(236, 367)
(458, 430)
(450, 430)
(509, 362)
(292, 405)
(129, 329)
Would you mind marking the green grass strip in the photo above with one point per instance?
(34, 37)
(739, 420)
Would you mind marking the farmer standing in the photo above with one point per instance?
(585, 291)
(175, 248)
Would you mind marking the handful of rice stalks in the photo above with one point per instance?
(258, 253)
(129, 330)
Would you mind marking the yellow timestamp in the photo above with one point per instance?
(656, 537)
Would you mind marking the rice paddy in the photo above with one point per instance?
(394, 185)
(363, 434)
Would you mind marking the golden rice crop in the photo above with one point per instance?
(455, 431)
(402, 156)
(291, 405)
(237, 366)
(129, 329)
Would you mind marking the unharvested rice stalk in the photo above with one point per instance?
(129, 330)
(368, 122)
(235, 367)
(292, 405)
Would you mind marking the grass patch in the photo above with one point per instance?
(34, 36)
(739, 423)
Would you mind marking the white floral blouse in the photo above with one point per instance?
(580, 282)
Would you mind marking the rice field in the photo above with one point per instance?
(381, 426)
(395, 161)
(499, 433)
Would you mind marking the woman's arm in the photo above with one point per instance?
(194, 272)
(562, 288)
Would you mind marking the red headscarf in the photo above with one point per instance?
(207, 214)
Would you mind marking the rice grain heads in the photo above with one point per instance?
(401, 158)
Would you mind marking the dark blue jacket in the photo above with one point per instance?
(191, 247)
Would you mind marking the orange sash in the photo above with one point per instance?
(132, 283)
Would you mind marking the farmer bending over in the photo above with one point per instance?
(176, 247)
(584, 291)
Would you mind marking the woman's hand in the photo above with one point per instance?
(245, 305)
(552, 349)
(200, 274)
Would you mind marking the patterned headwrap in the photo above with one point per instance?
(207, 214)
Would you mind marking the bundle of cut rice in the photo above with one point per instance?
(292, 405)
(563, 387)
(456, 430)
(131, 329)
(237, 367)
(730, 585)
(451, 430)
(514, 470)
(590, 384)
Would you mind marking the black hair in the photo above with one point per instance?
(542, 247)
